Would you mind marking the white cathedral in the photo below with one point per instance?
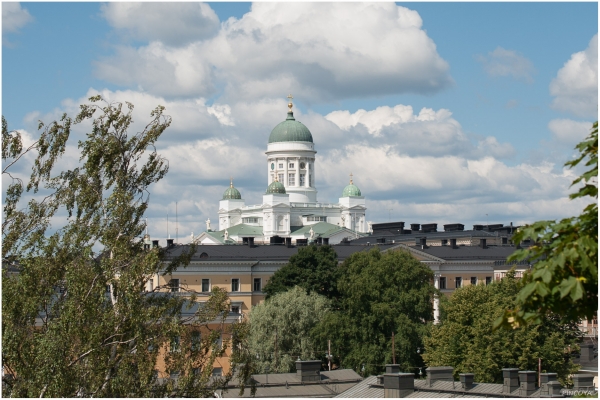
(289, 208)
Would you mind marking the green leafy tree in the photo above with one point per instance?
(281, 329)
(564, 278)
(381, 294)
(76, 320)
(314, 268)
(466, 340)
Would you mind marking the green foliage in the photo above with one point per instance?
(63, 334)
(281, 329)
(380, 293)
(564, 278)
(466, 340)
(314, 268)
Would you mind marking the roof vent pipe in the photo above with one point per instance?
(170, 242)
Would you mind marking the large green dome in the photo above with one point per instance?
(290, 130)
(232, 193)
(275, 187)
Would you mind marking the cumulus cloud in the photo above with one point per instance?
(325, 50)
(503, 62)
(174, 24)
(569, 132)
(576, 84)
(429, 132)
(14, 17)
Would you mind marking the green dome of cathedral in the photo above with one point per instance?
(351, 190)
(232, 193)
(275, 187)
(290, 130)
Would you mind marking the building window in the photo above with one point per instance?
(175, 343)
(196, 340)
(235, 285)
(442, 282)
(291, 165)
(206, 285)
(302, 179)
(488, 280)
(174, 285)
(257, 284)
(458, 281)
(217, 371)
(292, 180)
(473, 280)
(302, 165)
(250, 220)
(280, 165)
(235, 309)
(313, 218)
(281, 179)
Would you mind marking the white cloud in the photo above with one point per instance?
(170, 23)
(14, 17)
(320, 51)
(503, 62)
(576, 84)
(569, 132)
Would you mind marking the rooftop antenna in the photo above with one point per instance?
(146, 226)
(176, 225)
(168, 236)
(390, 214)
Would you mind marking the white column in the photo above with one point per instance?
(436, 299)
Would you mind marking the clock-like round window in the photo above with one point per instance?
(272, 166)
(302, 165)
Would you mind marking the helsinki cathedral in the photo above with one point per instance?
(290, 208)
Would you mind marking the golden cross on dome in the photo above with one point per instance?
(290, 105)
(351, 178)
(231, 181)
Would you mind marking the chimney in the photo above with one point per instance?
(466, 381)
(527, 380)
(482, 243)
(250, 242)
(326, 241)
(169, 242)
(583, 382)
(424, 242)
(309, 371)
(545, 379)
(439, 374)
(587, 352)
(155, 243)
(453, 244)
(381, 240)
(504, 240)
(380, 379)
(554, 389)
(288, 242)
(511, 379)
(444, 242)
(415, 227)
(398, 385)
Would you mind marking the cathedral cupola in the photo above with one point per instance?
(232, 193)
(275, 187)
(290, 130)
(351, 190)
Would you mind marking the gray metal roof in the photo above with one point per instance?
(364, 389)
(236, 252)
(468, 252)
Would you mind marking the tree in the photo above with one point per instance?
(281, 329)
(314, 268)
(564, 278)
(381, 294)
(76, 320)
(466, 340)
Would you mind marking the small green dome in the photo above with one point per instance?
(276, 187)
(351, 190)
(290, 130)
(232, 193)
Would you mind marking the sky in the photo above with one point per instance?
(443, 112)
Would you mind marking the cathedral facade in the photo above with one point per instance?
(290, 207)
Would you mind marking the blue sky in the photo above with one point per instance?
(507, 90)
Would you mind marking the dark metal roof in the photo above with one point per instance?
(238, 252)
(389, 236)
(468, 252)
